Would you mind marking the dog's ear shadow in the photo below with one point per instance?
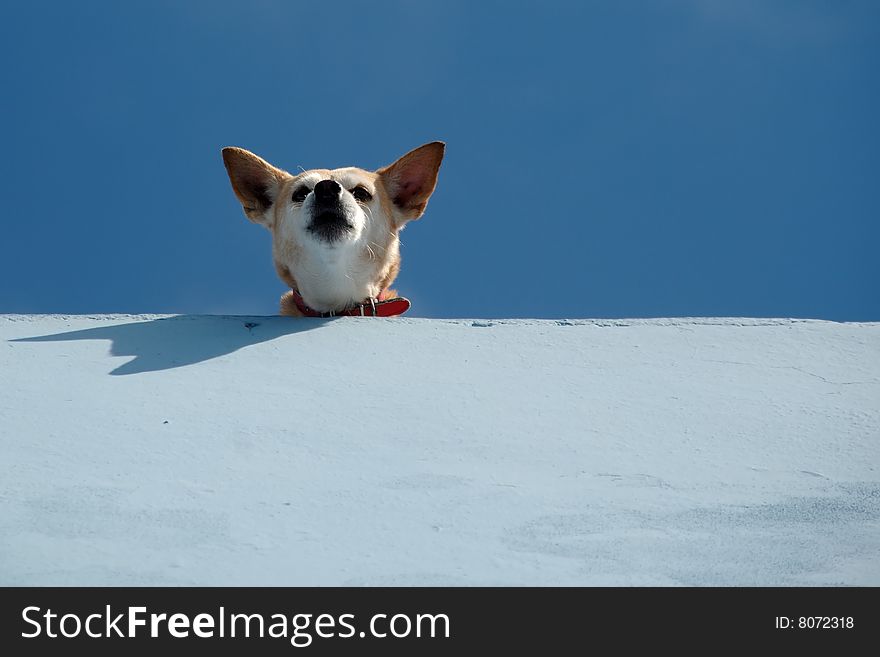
(182, 340)
(256, 183)
(411, 180)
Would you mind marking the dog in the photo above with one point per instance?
(335, 232)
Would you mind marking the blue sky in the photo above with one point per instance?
(604, 159)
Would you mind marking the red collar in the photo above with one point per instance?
(381, 307)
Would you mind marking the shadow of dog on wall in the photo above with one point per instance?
(178, 341)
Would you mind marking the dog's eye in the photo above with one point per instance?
(299, 194)
(361, 194)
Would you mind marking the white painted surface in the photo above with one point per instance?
(196, 450)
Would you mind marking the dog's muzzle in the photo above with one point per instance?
(329, 219)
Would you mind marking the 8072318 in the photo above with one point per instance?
(825, 622)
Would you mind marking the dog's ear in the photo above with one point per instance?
(411, 180)
(255, 182)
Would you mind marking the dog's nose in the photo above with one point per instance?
(327, 190)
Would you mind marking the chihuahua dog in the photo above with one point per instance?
(335, 232)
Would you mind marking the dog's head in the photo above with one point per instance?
(335, 232)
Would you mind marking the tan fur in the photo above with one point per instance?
(400, 194)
